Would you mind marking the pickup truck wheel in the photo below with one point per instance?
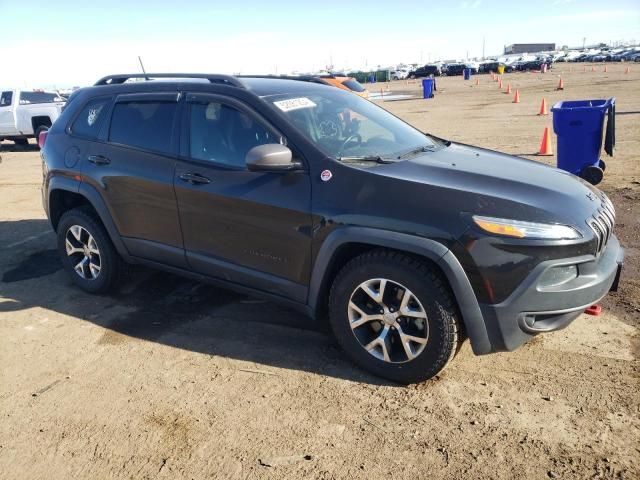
(39, 130)
(394, 316)
(87, 252)
(23, 142)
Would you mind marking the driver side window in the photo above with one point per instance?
(223, 134)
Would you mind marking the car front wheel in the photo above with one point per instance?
(394, 316)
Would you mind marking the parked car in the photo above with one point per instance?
(454, 69)
(487, 67)
(319, 199)
(426, 71)
(400, 74)
(26, 113)
(346, 83)
(532, 65)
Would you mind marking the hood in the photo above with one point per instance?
(496, 184)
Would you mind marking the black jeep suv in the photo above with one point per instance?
(315, 197)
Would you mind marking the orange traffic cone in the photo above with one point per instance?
(516, 98)
(560, 84)
(508, 92)
(545, 146)
(593, 69)
(500, 84)
(477, 82)
(584, 69)
(543, 108)
(626, 70)
(606, 69)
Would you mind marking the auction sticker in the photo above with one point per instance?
(294, 104)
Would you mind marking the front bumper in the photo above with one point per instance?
(531, 309)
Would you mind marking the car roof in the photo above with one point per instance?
(260, 85)
(263, 87)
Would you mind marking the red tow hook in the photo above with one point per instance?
(594, 310)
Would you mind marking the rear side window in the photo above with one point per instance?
(146, 125)
(39, 97)
(88, 123)
(5, 99)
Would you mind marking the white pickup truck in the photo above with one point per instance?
(26, 113)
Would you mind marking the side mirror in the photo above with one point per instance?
(271, 157)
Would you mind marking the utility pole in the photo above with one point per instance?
(584, 39)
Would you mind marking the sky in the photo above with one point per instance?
(66, 43)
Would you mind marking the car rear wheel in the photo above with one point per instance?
(87, 252)
(394, 316)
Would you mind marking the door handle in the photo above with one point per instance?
(98, 159)
(194, 178)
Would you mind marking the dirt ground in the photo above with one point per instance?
(172, 379)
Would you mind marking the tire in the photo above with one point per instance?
(110, 265)
(439, 331)
(23, 142)
(41, 128)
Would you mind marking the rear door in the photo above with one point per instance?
(132, 165)
(251, 228)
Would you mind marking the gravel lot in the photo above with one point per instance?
(173, 379)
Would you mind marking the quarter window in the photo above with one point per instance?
(146, 125)
(88, 123)
(222, 134)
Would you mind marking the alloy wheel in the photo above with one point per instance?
(83, 252)
(388, 320)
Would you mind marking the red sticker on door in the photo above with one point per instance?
(326, 175)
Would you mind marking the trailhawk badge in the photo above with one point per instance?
(326, 175)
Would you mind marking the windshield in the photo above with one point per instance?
(344, 125)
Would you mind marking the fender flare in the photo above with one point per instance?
(95, 200)
(431, 249)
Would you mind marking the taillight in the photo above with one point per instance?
(42, 137)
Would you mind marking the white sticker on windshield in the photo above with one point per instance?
(294, 104)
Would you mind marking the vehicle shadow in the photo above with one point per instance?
(14, 147)
(169, 310)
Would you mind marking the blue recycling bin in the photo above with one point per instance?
(427, 87)
(466, 73)
(579, 125)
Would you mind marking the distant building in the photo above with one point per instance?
(529, 48)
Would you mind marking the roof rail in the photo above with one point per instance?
(212, 77)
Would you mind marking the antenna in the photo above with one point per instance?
(142, 66)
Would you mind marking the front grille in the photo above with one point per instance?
(602, 223)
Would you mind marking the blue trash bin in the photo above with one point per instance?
(466, 73)
(579, 125)
(427, 87)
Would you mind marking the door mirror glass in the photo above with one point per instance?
(270, 157)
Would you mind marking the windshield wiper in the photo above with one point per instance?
(423, 148)
(365, 158)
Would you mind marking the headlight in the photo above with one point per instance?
(520, 229)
